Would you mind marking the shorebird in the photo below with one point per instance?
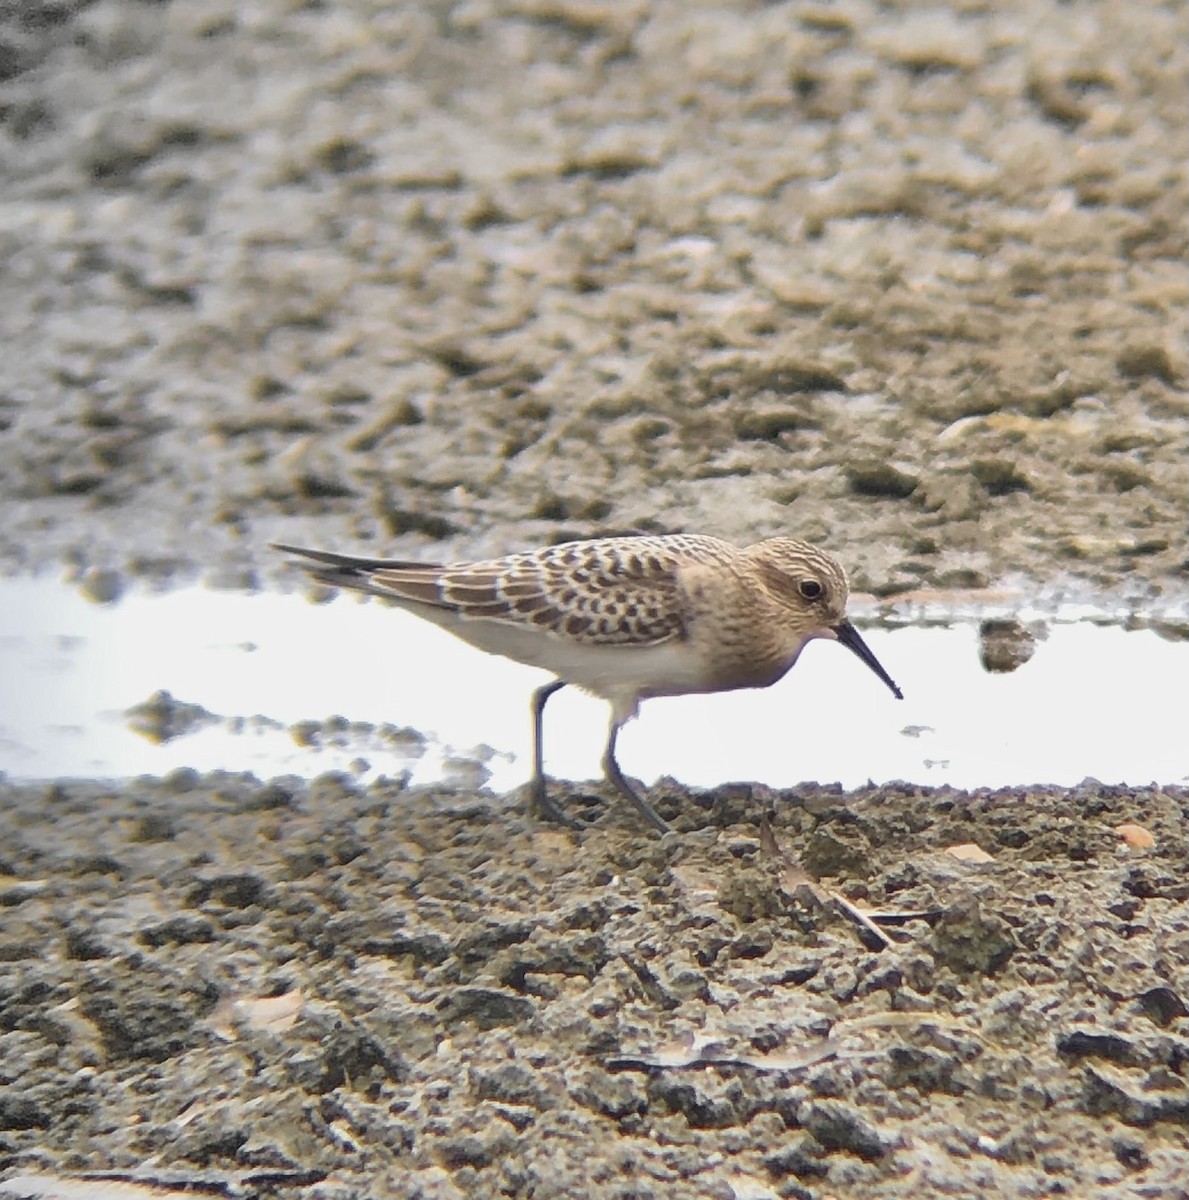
(625, 618)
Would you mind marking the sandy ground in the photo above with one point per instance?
(456, 279)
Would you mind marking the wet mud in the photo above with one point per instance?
(451, 280)
(357, 992)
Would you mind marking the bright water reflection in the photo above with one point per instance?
(1093, 701)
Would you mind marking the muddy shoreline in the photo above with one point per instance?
(426, 993)
(452, 280)
(448, 283)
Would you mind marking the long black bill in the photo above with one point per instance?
(848, 635)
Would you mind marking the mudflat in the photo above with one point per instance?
(445, 281)
(319, 989)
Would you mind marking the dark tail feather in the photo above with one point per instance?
(344, 570)
(347, 562)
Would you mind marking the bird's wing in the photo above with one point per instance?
(604, 593)
(612, 591)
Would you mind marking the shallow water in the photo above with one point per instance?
(1094, 700)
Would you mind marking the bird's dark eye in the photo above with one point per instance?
(810, 589)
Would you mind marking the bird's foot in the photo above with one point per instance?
(545, 808)
(616, 776)
(649, 813)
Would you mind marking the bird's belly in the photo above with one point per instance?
(608, 670)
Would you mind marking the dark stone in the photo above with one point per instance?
(486, 1007)
(178, 931)
(468, 1151)
(615, 1096)
(1000, 476)
(683, 1095)
(970, 943)
(1162, 1006)
(234, 891)
(837, 1126)
(837, 851)
(84, 945)
(271, 795)
(584, 955)
(154, 827)
(1087, 1043)
(21, 1112)
(478, 947)
(1103, 1095)
(752, 893)
(141, 1024)
(881, 480)
(513, 1083)
(1005, 645)
(429, 948)
(1146, 361)
(345, 1056)
(99, 864)
(803, 1158)
(926, 1070)
(768, 425)
(1130, 1153)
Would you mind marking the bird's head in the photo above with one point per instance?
(810, 586)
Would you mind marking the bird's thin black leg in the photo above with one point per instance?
(615, 775)
(541, 801)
